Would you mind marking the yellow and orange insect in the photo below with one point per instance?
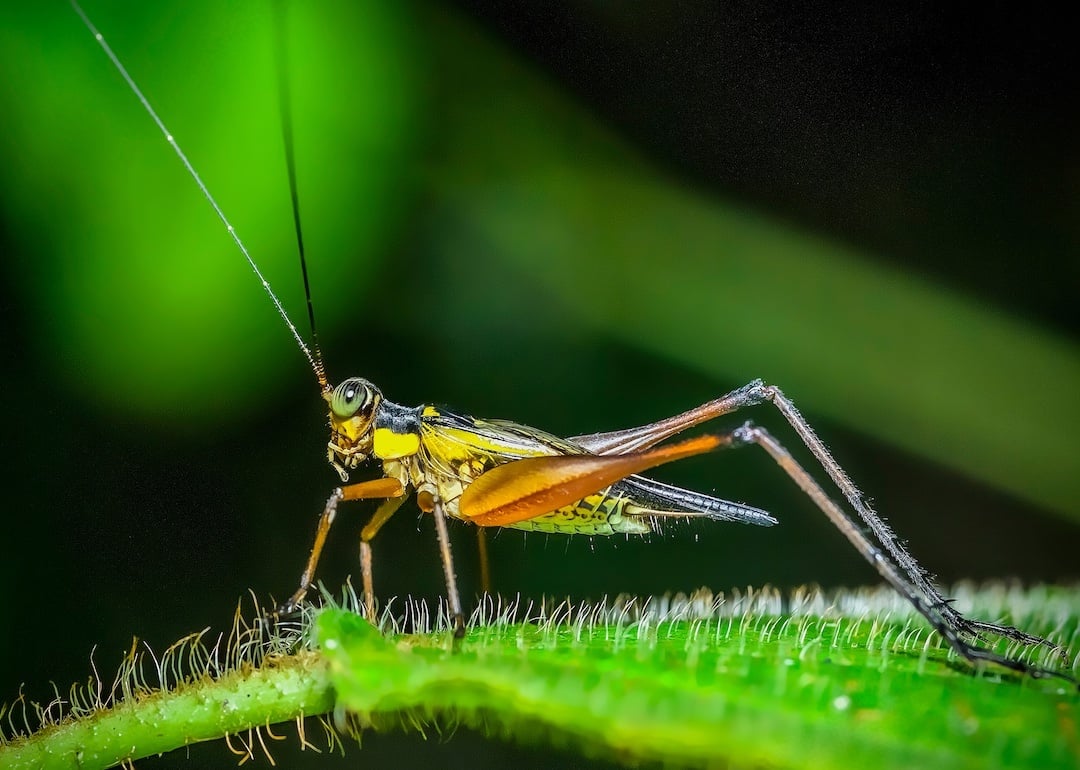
(495, 473)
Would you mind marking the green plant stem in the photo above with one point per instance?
(280, 690)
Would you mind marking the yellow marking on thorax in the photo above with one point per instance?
(459, 444)
(388, 445)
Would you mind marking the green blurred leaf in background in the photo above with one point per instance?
(616, 242)
(140, 298)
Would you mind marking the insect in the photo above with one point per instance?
(494, 473)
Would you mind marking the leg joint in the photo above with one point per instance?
(747, 433)
(754, 392)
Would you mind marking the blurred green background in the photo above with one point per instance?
(578, 215)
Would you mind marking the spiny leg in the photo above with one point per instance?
(364, 490)
(646, 436)
(757, 392)
(452, 595)
(885, 534)
(429, 503)
(382, 515)
(930, 606)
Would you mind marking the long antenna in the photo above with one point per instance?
(316, 363)
(285, 106)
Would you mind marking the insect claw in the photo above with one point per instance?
(284, 611)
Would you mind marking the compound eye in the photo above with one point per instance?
(351, 396)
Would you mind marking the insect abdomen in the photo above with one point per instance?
(599, 514)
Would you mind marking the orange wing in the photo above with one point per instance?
(530, 487)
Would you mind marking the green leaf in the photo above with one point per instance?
(745, 688)
(744, 680)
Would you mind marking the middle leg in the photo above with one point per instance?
(367, 534)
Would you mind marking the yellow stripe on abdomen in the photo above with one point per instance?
(595, 515)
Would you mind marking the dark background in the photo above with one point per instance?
(936, 142)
